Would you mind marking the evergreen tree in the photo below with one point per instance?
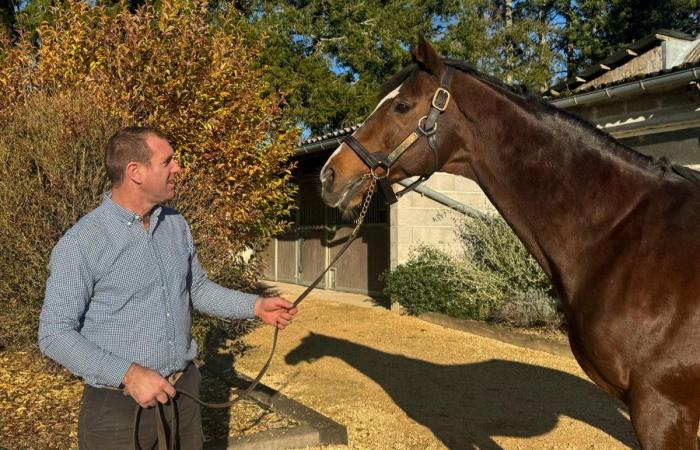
(7, 15)
(330, 57)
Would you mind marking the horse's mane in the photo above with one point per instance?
(534, 104)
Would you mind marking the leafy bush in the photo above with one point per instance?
(496, 279)
(172, 64)
(490, 244)
(434, 281)
(525, 292)
(176, 65)
(529, 309)
(51, 173)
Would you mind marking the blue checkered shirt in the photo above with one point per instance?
(118, 294)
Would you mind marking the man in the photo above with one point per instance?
(117, 305)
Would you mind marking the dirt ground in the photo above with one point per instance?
(397, 382)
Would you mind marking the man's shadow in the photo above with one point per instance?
(217, 381)
(464, 405)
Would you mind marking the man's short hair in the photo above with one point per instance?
(125, 146)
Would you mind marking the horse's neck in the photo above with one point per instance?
(562, 190)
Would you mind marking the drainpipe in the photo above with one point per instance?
(670, 80)
(447, 201)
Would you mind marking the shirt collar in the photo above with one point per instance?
(124, 214)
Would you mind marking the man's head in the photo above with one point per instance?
(140, 158)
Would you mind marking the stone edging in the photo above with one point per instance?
(509, 337)
(315, 429)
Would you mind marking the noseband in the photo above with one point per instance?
(427, 126)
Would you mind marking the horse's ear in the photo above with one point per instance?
(425, 56)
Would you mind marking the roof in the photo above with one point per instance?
(621, 57)
(336, 133)
(551, 94)
(693, 56)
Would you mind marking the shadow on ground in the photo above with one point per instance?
(218, 379)
(465, 405)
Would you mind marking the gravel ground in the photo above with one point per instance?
(397, 382)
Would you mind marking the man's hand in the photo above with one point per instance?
(146, 386)
(275, 311)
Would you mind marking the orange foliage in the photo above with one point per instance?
(186, 70)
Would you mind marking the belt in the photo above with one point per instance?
(173, 377)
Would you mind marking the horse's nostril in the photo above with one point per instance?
(327, 178)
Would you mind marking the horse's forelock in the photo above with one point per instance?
(396, 80)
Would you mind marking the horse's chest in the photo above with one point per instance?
(603, 353)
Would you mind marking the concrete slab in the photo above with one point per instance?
(314, 428)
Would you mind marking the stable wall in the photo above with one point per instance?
(417, 219)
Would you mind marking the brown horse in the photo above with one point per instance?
(616, 232)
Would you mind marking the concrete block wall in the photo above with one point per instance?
(417, 219)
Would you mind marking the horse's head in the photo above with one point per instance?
(418, 104)
(312, 347)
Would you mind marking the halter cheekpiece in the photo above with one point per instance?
(427, 126)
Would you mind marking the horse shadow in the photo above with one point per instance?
(464, 405)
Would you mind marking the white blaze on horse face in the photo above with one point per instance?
(389, 96)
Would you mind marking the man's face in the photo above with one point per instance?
(159, 176)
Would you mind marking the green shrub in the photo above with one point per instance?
(496, 279)
(525, 297)
(490, 244)
(433, 281)
(529, 309)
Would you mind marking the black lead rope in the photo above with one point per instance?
(168, 440)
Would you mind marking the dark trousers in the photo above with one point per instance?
(107, 418)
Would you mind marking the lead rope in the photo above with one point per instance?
(158, 410)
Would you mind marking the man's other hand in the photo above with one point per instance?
(275, 311)
(146, 386)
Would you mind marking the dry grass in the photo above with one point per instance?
(39, 403)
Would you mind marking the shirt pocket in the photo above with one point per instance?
(179, 266)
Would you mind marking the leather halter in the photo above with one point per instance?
(427, 126)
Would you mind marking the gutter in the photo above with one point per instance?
(666, 81)
(318, 146)
(445, 200)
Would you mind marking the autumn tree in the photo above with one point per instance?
(178, 66)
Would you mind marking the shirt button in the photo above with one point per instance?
(167, 314)
(170, 342)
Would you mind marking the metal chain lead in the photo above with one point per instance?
(365, 205)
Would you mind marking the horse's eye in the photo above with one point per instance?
(402, 108)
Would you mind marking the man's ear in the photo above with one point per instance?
(134, 172)
(425, 56)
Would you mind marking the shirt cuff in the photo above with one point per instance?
(248, 301)
(112, 371)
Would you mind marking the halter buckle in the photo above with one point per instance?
(444, 93)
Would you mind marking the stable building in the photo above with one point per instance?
(646, 95)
